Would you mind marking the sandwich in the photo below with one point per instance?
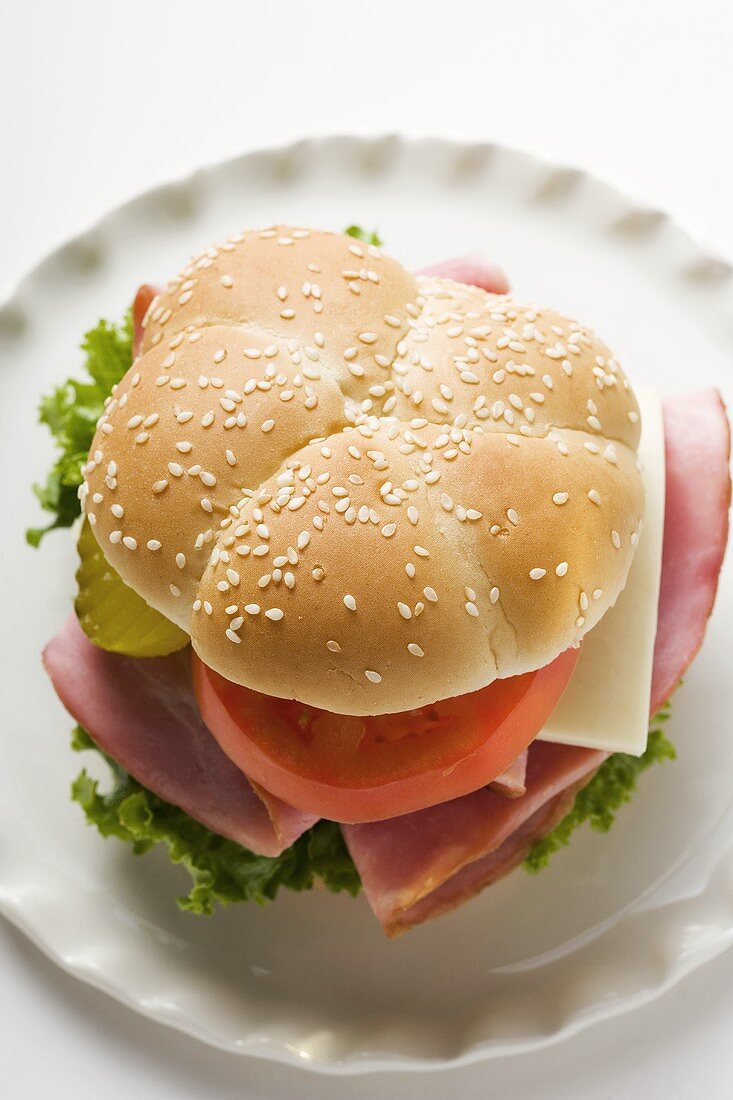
(385, 580)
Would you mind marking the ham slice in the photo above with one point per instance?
(416, 866)
(697, 443)
(511, 782)
(482, 872)
(143, 713)
(473, 270)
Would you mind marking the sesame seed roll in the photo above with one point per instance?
(363, 489)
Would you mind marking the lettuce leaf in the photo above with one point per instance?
(364, 235)
(71, 411)
(221, 870)
(611, 786)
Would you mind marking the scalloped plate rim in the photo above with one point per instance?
(276, 1049)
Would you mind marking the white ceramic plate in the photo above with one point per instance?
(310, 980)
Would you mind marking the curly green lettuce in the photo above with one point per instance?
(221, 871)
(611, 787)
(71, 411)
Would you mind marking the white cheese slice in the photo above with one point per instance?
(606, 704)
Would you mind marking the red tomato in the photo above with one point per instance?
(143, 298)
(350, 768)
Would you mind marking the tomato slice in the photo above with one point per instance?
(143, 298)
(350, 768)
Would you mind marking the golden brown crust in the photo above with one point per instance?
(469, 507)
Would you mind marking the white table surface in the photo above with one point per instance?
(101, 100)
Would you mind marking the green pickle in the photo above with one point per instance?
(112, 615)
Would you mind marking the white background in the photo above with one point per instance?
(99, 100)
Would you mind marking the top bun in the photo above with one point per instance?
(362, 489)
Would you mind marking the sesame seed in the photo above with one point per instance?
(129, 542)
(181, 561)
(472, 609)
(512, 516)
(374, 677)
(594, 496)
(267, 425)
(430, 594)
(227, 281)
(233, 637)
(415, 650)
(333, 646)
(404, 610)
(274, 614)
(561, 569)
(153, 544)
(615, 539)
(350, 602)
(252, 608)
(537, 574)
(560, 498)
(494, 594)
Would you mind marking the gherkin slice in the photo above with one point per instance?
(112, 615)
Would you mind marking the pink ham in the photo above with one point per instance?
(143, 713)
(416, 866)
(697, 441)
(494, 865)
(473, 270)
(511, 782)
